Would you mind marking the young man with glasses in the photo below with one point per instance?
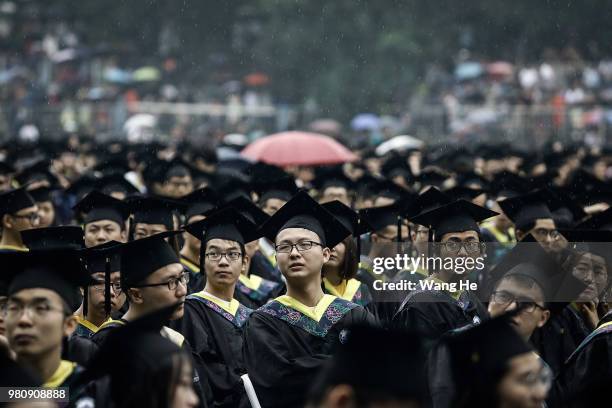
(213, 321)
(19, 212)
(456, 242)
(42, 296)
(152, 278)
(288, 340)
(531, 215)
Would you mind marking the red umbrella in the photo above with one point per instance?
(298, 148)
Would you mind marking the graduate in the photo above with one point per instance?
(287, 340)
(152, 277)
(103, 218)
(152, 215)
(46, 208)
(259, 280)
(340, 271)
(357, 377)
(137, 366)
(456, 234)
(493, 367)
(195, 207)
(19, 212)
(96, 309)
(42, 296)
(531, 215)
(213, 321)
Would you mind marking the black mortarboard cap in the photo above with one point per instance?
(463, 193)
(63, 237)
(97, 206)
(351, 219)
(431, 177)
(153, 210)
(389, 189)
(281, 188)
(115, 183)
(458, 216)
(6, 168)
(199, 202)
(598, 221)
(396, 166)
(97, 256)
(228, 224)
(427, 200)
(506, 184)
(380, 217)
(249, 210)
(565, 211)
(478, 354)
(304, 212)
(82, 186)
(525, 209)
(38, 171)
(42, 194)
(58, 270)
(15, 200)
(142, 257)
(334, 176)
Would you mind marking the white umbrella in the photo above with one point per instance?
(140, 127)
(399, 143)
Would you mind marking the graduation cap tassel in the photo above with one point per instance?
(358, 237)
(399, 233)
(201, 263)
(107, 294)
(85, 301)
(131, 227)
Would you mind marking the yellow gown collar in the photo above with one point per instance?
(59, 376)
(233, 306)
(315, 313)
(346, 290)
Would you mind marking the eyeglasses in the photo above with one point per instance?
(33, 217)
(99, 286)
(543, 232)
(504, 298)
(172, 283)
(300, 246)
(454, 247)
(232, 256)
(38, 310)
(544, 377)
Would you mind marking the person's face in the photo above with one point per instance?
(526, 321)
(223, 272)
(545, 232)
(36, 322)
(99, 232)
(178, 186)
(465, 239)
(46, 214)
(272, 205)
(335, 193)
(184, 395)
(192, 242)
(5, 182)
(343, 396)
(3, 300)
(336, 256)
(96, 293)
(421, 237)
(381, 201)
(24, 219)
(160, 296)
(146, 230)
(592, 271)
(299, 266)
(522, 386)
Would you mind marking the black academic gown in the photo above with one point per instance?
(215, 336)
(432, 313)
(79, 349)
(284, 348)
(559, 337)
(590, 362)
(200, 383)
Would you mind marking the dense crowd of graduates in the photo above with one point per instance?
(159, 276)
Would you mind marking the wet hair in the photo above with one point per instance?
(350, 263)
(155, 389)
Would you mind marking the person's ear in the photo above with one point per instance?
(135, 295)
(123, 235)
(245, 261)
(70, 325)
(544, 318)
(340, 396)
(7, 221)
(373, 237)
(326, 254)
(519, 235)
